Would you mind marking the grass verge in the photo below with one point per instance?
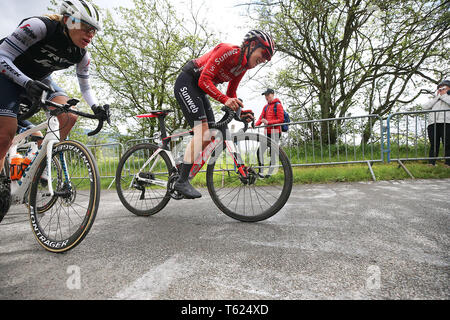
(361, 172)
(345, 173)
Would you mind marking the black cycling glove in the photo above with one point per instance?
(102, 112)
(35, 88)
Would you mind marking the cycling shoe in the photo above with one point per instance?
(187, 190)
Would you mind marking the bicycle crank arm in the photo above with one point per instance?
(157, 182)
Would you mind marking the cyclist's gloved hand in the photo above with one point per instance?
(102, 112)
(35, 88)
(247, 115)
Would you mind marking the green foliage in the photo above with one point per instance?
(355, 55)
(138, 56)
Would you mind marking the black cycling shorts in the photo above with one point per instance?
(193, 101)
(11, 96)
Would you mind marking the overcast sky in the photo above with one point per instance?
(223, 17)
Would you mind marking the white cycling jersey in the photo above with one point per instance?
(40, 46)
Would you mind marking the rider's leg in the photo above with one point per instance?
(66, 120)
(193, 149)
(7, 131)
(198, 112)
(9, 107)
(8, 126)
(199, 141)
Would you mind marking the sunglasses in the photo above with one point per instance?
(81, 25)
(266, 54)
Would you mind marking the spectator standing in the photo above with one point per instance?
(268, 116)
(439, 123)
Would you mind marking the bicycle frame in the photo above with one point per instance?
(199, 161)
(51, 137)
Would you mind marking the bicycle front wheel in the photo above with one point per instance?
(142, 177)
(62, 220)
(265, 186)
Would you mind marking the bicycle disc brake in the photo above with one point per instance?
(251, 176)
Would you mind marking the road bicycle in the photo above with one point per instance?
(248, 176)
(63, 205)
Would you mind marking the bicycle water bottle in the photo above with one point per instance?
(16, 169)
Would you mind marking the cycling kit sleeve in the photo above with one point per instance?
(83, 80)
(218, 66)
(28, 33)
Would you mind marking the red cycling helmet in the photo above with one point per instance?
(264, 40)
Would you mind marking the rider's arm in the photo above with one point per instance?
(83, 80)
(233, 85)
(28, 33)
(212, 67)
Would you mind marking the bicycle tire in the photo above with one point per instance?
(65, 225)
(264, 198)
(142, 198)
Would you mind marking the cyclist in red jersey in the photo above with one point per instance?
(200, 77)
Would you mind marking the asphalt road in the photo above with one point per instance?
(371, 240)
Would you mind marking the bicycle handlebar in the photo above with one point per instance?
(60, 108)
(228, 117)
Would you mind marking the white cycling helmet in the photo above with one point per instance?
(82, 10)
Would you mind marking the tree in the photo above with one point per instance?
(139, 59)
(356, 54)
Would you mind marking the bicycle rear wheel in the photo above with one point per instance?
(266, 187)
(61, 223)
(141, 181)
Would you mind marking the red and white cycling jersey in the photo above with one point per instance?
(220, 65)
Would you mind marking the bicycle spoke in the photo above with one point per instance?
(64, 219)
(264, 188)
(138, 177)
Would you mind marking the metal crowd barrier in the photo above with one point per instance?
(107, 156)
(334, 141)
(408, 137)
(330, 141)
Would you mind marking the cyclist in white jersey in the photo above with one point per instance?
(38, 47)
